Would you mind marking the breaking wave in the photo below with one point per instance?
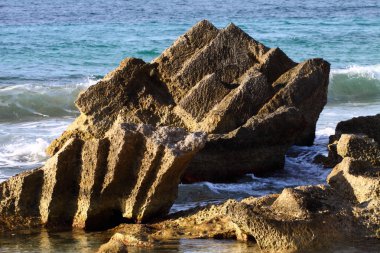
(31, 101)
(355, 84)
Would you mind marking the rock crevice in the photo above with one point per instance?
(130, 174)
(300, 219)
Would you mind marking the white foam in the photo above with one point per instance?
(325, 131)
(18, 102)
(23, 144)
(370, 71)
(23, 154)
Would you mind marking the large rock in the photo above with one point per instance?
(359, 147)
(366, 125)
(131, 174)
(361, 139)
(259, 145)
(222, 82)
(300, 219)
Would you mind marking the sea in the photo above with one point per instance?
(51, 50)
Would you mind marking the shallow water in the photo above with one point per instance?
(78, 241)
(51, 50)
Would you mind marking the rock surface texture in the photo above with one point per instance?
(361, 140)
(132, 173)
(219, 81)
(300, 219)
(215, 105)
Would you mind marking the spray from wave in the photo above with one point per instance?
(23, 154)
(23, 144)
(355, 84)
(31, 101)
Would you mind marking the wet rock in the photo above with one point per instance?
(299, 219)
(131, 174)
(114, 245)
(218, 81)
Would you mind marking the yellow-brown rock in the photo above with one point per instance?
(216, 81)
(301, 219)
(131, 174)
(361, 141)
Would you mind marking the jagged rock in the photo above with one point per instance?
(359, 147)
(303, 87)
(218, 81)
(357, 179)
(132, 173)
(299, 219)
(256, 146)
(365, 125)
(364, 141)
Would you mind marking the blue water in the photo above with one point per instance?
(51, 50)
(67, 41)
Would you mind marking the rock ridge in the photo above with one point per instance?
(301, 219)
(131, 174)
(211, 80)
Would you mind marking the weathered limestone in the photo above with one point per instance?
(115, 245)
(357, 180)
(359, 147)
(299, 219)
(256, 146)
(216, 81)
(361, 140)
(367, 125)
(303, 87)
(132, 173)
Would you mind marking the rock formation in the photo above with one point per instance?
(131, 174)
(367, 125)
(215, 105)
(222, 82)
(299, 219)
(361, 140)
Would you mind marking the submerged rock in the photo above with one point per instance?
(299, 219)
(131, 174)
(220, 81)
(115, 245)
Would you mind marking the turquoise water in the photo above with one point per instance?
(51, 50)
(61, 42)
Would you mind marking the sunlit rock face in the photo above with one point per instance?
(131, 174)
(301, 219)
(215, 105)
(222, 82)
